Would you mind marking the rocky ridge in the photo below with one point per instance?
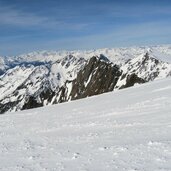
(34, 83)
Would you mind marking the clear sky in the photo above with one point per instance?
(29, 25)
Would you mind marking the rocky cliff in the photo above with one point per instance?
(31, 84)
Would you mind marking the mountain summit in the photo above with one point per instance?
(46, 78)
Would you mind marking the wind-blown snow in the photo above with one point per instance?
(126, 130)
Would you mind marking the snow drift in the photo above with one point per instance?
(126, 130)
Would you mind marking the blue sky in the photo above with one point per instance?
(29, 25)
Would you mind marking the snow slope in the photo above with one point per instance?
(126, 130)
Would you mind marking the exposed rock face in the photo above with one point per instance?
(131, 80)
(29, 85)
(142, 69)
(98, 76)
(32, 85)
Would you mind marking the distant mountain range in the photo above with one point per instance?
(45, 78)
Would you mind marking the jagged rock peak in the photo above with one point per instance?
(43, 79)
(104, 58)
(98, 76)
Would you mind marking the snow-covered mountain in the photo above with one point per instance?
(29, 85)
(45, 78)
(141, 69)
(126, 130)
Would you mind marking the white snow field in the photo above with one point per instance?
(125, 130)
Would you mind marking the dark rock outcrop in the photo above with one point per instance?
(131, 80)
(141, 69)
(97, 77)
(72, 78)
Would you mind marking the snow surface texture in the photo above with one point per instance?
(126, 130)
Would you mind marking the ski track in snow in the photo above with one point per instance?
(126, 130)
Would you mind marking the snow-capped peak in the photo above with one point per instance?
(42, 78)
